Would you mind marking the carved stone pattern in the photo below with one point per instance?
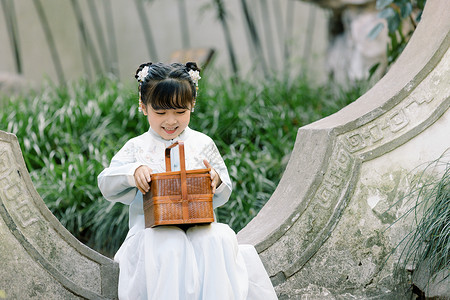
(412, 110)
(12, 191)
(310, 231)
(335, 179)
(21, 208)
(329, 198)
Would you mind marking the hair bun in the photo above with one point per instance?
(136, 75)
(192, 66)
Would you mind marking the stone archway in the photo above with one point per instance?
(318, 224)
(355, 155)
(40, 258)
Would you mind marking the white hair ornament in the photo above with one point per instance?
(195, 76)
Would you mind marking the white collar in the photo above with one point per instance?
(181, 137)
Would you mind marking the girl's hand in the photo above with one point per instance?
(215, 178)
(142, 178)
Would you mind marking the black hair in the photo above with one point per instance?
(168, 86)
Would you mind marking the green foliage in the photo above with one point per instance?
(399, 15)
(428, 244)
(69, 134)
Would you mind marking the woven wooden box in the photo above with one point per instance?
(179, 197)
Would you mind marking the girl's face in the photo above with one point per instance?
(168, 123)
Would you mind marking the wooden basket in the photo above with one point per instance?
(180, 197)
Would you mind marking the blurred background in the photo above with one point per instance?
(67, 87)
(63, 40)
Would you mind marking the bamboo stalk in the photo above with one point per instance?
(85, 57)
(288, 27)
(147, 30)
(13, 34)
(50, 42)
(268, 32)
(184, 24)
(85, 37)
(104, 53)
(248, 34)
(254, 37)
(114, 67)
(309, 33)
(222, 18)
(279, 26)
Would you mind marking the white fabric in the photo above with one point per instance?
(205, 262)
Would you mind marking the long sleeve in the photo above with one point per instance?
(223, 191)
(117, 181)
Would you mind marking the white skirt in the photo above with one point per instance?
(205, 262)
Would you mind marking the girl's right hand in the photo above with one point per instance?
(142, 178)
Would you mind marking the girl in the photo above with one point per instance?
(167, 262)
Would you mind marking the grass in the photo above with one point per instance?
(69, 134)
(427, 246)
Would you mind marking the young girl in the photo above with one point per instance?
(166, 262)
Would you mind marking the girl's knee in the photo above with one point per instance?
(224, 231)
(218, 232)
(168, 237)
(166, 230)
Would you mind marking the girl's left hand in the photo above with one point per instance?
(215, 178)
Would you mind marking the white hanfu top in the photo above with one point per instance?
(165, 262)
(117, 181)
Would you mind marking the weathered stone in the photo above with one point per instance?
(40, 258)
(432, 285)
(333, 219)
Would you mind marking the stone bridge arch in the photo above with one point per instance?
(40, 258)
(322, 233)
(336, 165)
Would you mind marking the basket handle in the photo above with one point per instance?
(184, 194)
(182, 157)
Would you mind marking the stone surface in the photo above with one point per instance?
(438, 286)
(330, 227)
(40, 258)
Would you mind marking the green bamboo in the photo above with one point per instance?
(221, 14)
(288, 27)
(104, 53)
(309, 33)
(85, 58)
(147, 30)
(11, 24)
(112, 45)
(251, 46)
(254, 38)
(184, 26)
(85, 37)
(279, 26)
(50, 42)
(268, 32)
